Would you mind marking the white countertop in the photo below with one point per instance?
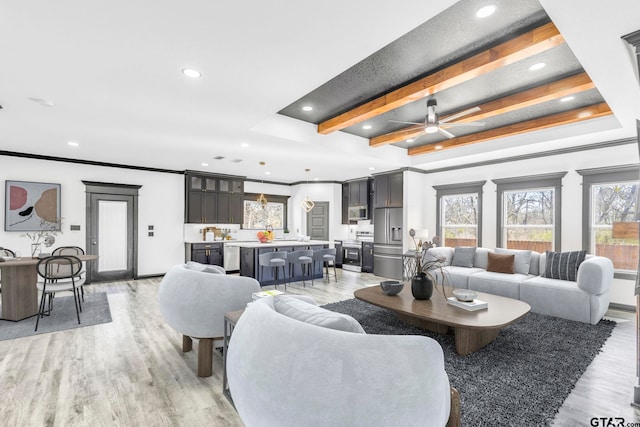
(275, 243)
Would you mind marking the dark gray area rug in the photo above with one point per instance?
(95, 310)
(520, 379)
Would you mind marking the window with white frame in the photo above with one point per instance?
(459, 213)
(610, 204)
(257, 216)
(528, 212)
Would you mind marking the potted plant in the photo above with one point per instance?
(428, 268)
(46, 234)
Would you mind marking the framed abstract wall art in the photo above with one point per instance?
(30, 206)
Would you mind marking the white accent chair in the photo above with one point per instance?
(287, 372)
(194, 303)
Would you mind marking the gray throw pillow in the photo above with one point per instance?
(463, 256)
(563, 265)
(522, 261)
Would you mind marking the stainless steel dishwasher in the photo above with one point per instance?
(231, 257)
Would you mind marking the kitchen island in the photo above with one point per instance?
(250, 251)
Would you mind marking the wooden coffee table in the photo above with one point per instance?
(472, 329)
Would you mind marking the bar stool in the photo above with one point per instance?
(304, 258)
(274, 260)
(325, 256)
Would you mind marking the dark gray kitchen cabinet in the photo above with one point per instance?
(388, 190)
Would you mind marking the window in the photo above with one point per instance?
(610, 201)
(528, 212)
(458, 214)
(273, 215)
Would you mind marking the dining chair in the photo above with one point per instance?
(54, 270)
(4, 252)
(73, 250)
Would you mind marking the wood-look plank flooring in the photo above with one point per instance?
(132, 372)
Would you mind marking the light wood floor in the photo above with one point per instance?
(131, 372)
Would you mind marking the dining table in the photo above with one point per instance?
(19, 292)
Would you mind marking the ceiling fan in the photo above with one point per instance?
(432, 124)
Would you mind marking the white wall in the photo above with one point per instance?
(160, 203)
(321, 192)
(622, 290)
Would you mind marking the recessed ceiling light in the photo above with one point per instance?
(244, 145)
(43, 102)
(366, 127)
(537, 66)
(307, 108)
(410, 140)
(204, 164)
(567, 98)
(438, 147)
(585, 114)
(485, 11)
(315, 179)
(190, 72)
(267, 173)
(372, 168)
(72, 144)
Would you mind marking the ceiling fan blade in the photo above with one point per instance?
(446, 133)
(460, 114)
(470, 124)
(409, 123)
(419, 127)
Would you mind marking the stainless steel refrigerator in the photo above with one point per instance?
(387, 243)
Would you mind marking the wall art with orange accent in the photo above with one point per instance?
(31, 206)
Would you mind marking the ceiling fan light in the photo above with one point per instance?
(486, 11)
(431, 129)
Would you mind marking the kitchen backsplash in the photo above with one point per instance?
(193, 232)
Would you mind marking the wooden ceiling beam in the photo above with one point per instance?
(523, 46)
(537, 95)
(564, 118)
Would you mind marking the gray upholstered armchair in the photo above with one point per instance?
(285, 370)
(194, 302)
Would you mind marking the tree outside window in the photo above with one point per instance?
(460, 220)
(258, 217)
(614, 203)
(529, 219)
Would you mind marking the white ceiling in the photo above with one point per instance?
(112, 71)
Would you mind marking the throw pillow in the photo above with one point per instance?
(500, 263)
(463, 256)
(303, 311)
(563, 265)
(522, 261)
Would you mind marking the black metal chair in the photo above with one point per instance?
(73, 250)
(55, 270)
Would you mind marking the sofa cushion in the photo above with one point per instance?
(441, 251)
(506, 285)
(458, 277)
(500, 263)
(522, 260)
(292, 307)
(563, 265)
(463, 256)
(481, 258)
(205, 268)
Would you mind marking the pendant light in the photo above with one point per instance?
(307, 204)
(262, 199)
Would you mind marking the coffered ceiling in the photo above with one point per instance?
(108, 77)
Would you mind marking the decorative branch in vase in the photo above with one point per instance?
(45, 235)
(428, 271)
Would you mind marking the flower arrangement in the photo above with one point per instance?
(431, 265)
(45, 235)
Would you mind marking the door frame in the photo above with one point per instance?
(110, 189)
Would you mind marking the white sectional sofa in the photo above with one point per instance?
(585, 300)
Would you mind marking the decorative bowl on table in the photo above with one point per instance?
(466, 295)
(265, 236)
(391, 287)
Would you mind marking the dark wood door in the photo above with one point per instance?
(236, 209)
(194, 207)
(209, 207)
(345, 203)
(223, 208)
(354, 194)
